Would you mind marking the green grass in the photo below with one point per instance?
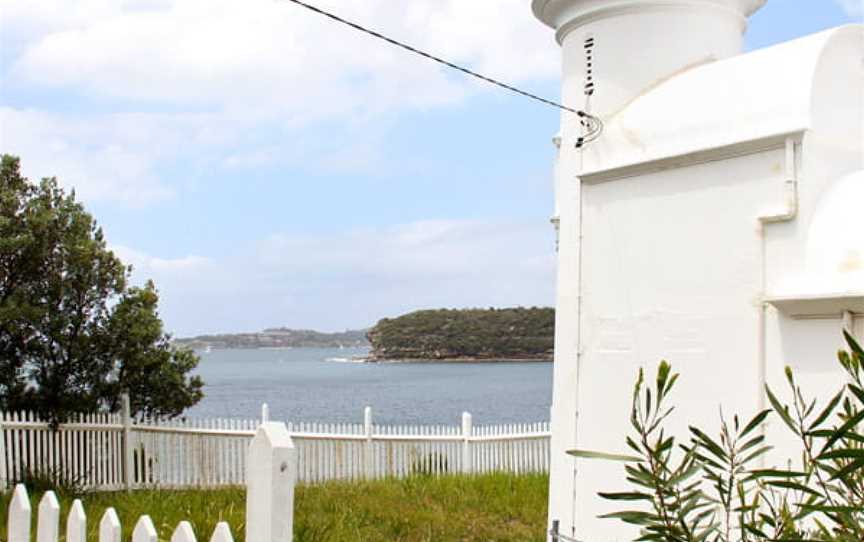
(498, 507)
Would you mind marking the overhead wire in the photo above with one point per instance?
(593, 126)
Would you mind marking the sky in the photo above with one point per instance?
(267, 167)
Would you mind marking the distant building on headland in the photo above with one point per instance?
(718, 222)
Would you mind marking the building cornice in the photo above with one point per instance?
(565, 15)
(721, 152)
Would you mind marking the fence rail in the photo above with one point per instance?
(114, 451)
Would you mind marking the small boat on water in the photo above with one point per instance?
(352, 359)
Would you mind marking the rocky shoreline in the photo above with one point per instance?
(461, 359)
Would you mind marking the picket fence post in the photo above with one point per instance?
(368, 464)
(109, 527)
(222, 533)
(18, 527)
(20, 520)
(183, 533)
(48, 522)
(76, 523)
(128, 460)
(144, 530)
(272, 464)
(3, 478)
(467, 429)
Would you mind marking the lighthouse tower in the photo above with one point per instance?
(711, 224)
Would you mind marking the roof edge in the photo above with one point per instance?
(691, 158)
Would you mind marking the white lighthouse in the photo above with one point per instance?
(717, 222)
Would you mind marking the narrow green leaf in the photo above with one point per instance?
(755, 422)
(790, 377)
(750, 443)
(848, 469)
(631, 516)
(847, 453)
(587, 454)
(627, 496)
(810, 408)
(647, 402)
(775, 473)
(827, 411)
(841, 432)
(633, 446)
(662, 376)
(687, 473)
(752, 529)
(853, 344)
(792, 485)
(830, 509)
(640, 378)
(782, 411)
(709, 444)
(671, 383)
(756, 454)
(858, 392)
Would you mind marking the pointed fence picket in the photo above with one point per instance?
(109, 527)
(76, 523)
(116, 451)
(144, 530)
(48, 523)
(183, 533)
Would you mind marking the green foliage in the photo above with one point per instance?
(428, 464)
(39, 481)
(500, 507)
(470, 333)
(730, 500)
(73, 335)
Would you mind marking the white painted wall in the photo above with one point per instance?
(822, 252)
(662, 252)
(670, 270)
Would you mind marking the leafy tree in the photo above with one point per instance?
(73, 335)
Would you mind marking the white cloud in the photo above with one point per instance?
(353, 279)
(266, 56)
(104, 156)
(100, 157)
(133, 87)
(853, 8)
(190, 80)
(146, 267)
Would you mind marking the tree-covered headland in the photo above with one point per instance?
(466, 334)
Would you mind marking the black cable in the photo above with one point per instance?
(594, 125)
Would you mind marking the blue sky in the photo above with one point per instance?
(267, 167)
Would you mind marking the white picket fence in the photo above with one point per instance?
(110, 530)
(92, 450)
(269, 504)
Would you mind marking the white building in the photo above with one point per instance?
(718, 223)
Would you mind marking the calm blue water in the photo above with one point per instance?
(300, 385)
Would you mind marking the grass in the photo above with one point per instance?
(496, 507)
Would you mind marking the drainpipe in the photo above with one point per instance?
(790, 208)
(556, 218)
(787, 214)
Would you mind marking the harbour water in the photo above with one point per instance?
(323, 385)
